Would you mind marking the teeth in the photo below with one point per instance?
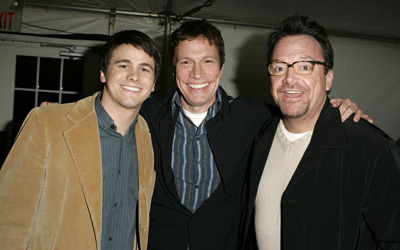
(198, 86)
(131, 88)
(293, 92)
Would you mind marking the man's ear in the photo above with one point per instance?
(328, 80)
(103, 78)
(221, 71)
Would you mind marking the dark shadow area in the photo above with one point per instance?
(165, 85)
(398, 142)
(6, 142)
(91, 73)
(252, 78)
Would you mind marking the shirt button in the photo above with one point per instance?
(112, 126)
(110, 239)
(115, 204)
(197, 138)
(197, 186)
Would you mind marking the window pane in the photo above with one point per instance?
(47, 97)
(73, 75)
(49, 73)
(25, 73)
(70, 98)
(24, 101)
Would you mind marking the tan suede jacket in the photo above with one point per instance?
(51, 181)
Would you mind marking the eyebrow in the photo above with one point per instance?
(129, 61)
(304, 58)
(202, 58)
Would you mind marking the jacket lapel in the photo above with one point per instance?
(262, 146)
(223, 137)
(329, 120)
(83, 141)
(167, 135)
(146, 178)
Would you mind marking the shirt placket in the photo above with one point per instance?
(197, 169)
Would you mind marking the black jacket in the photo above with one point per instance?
(216, 223)
(345, 192)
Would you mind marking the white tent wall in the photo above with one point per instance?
(70, 21)
(369, 73)
(365, 71)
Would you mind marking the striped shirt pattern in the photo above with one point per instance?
(195, 171)
(120, 183)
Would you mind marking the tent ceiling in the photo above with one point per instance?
(371, 19)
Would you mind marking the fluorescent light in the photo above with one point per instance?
(71, 54)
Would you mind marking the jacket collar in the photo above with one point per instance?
(225, 108)
(83, 142)
(328, 131)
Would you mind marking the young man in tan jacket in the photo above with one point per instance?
(71, 180)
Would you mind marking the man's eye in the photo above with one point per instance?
(123, 66)
(145, 70)
(278, 69)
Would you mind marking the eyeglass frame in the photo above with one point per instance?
(291, 66)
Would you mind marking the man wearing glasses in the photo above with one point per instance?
(315, 182)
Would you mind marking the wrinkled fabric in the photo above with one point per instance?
(51, 181)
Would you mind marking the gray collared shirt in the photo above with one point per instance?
(195, 171)
(120, 182)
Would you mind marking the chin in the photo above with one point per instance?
(294, 114)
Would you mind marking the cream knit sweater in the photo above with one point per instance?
(282, 161)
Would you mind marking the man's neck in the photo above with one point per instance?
(304, 123)
(298, 125)
(197, 109)
(123, 118)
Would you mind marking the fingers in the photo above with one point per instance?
(359, 114)
(347, 108)
(336, 102)
(345, 112)
(47, 103)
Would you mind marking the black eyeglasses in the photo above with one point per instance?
(300, 67)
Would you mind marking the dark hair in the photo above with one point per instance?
(194, 29)
(298, 25)
(131, 37)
